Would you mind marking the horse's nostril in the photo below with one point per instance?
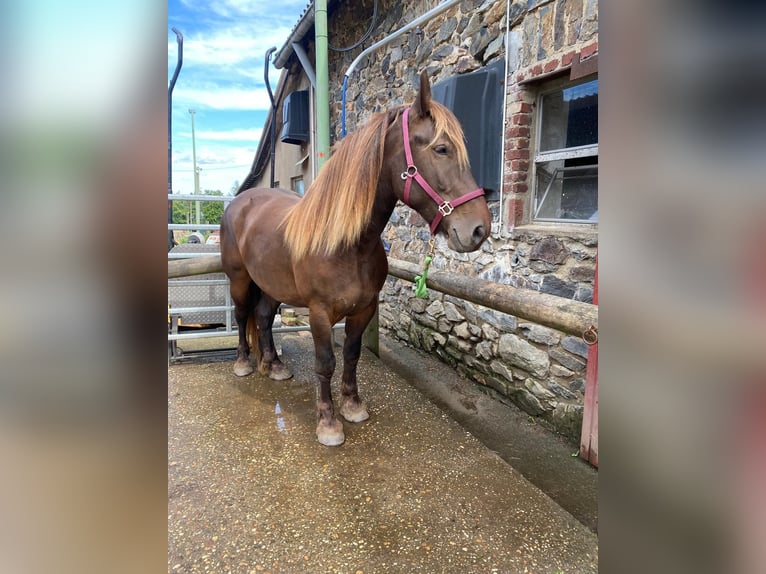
(479, 233)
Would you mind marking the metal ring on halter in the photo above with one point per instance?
(408, 173)
(446, 208)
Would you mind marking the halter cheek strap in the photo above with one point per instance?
(445, 207)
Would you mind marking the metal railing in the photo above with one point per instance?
(229, 328)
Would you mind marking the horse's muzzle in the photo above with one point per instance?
(467, 238)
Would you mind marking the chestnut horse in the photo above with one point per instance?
(324, 251)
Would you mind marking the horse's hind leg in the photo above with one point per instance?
(269, 363)
(351, 407)
(243, 293)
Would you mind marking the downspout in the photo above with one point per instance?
(416, 22)
(323, 83)
(505, 113)
(179, 63)
(273, 130)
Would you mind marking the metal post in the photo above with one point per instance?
(179, 63)
(196, 169)
(323, 83)
(273, 126)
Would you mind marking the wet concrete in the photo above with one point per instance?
(250, 489)
(542, 457)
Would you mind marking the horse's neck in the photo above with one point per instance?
(385, 201)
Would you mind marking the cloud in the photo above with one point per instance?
(230, 47)
(223, 98)
(253, 8)
(247, 135)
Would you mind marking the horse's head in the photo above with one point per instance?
(432, 172)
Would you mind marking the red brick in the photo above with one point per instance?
(550, 66)
(521, 120)
(516, 95)
(588, 51)
(519, 165)
(517, 154)
(515, 211)
(518, 131)
(536, 70)
(526, 108)
(566, 60)
(518, 176)
(519, 143)
(519, 187)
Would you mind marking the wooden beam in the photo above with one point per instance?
(196, 266)
(567, 315)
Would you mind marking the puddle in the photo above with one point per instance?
(281, 425)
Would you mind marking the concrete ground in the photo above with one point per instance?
(251, 490)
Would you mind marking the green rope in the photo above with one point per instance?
(420, 280)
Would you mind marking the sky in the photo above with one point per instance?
(224, 47)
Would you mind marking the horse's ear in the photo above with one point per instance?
(422, 104)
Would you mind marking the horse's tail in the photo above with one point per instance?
(252, 327)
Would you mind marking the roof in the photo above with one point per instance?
(302, 28)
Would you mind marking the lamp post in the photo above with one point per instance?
(196, 169)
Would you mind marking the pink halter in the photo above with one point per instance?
(445, 207)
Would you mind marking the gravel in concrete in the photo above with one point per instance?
(251, 490)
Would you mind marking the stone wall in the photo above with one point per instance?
(537, 368)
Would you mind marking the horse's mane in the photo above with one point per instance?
(337, 206)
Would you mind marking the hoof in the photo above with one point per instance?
(279, 372)
(354, 412)
(331, 434)
(242, 368)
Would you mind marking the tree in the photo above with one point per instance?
(212, 211)
(182, 211)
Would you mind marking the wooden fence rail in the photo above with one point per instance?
(567, 315)
(195, 266)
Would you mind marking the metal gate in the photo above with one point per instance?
(203, 303)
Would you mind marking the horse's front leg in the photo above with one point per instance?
(351, 407)
(329, 429)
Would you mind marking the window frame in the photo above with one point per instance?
(589, 150)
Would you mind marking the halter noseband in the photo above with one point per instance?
(445, 207)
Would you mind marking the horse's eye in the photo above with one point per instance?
(441, 149)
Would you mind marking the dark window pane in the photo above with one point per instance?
(570, 117)
(567, 191)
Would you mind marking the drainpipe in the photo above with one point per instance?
(323, 83)
(505, 114)
(416, 22)
(273, 132)
(179, 63)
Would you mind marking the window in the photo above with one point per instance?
(566, 163)
(297, 185)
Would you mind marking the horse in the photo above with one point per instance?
(324, 251)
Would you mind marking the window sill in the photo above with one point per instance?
(582, 232)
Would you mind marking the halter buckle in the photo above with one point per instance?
(446, 208)
(411, 171)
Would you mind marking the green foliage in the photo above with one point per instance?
(212, 211)
(185, 211)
